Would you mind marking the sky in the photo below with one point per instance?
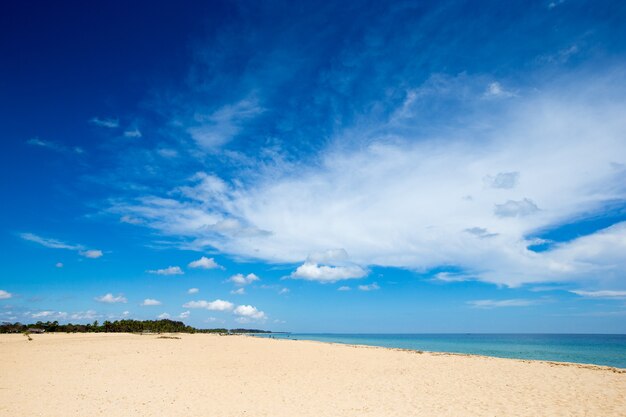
(410, 167)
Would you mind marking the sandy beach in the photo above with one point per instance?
(209, 375)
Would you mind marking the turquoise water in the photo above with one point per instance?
(598, 349)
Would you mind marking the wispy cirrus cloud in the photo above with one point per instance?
(413, 201)
(488, 304)
(106, 122)
(55, 146)
(57, 244)
(369, 287)
(608, 294)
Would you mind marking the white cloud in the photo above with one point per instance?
(216, 305)
(132, 133)
(184, 314)
(163, 316)
(495, 89)
(204, 263)
(110, 299)
(151, 302)
(57, 244)
(517, 302)
(50, 315)
(213, 320)
(240, 279)
(168, 153)
(54, 146)
(370, 287)
(283, 291)
(105, 122)
(130, 220)
(400, 199)
(218, 128)
(193, 291)
(92, 253)
(84, 315)
(601, 294)
(170, 270)
(239, 291)
(249, 312)
(4, 295)
(59, 265)
(480, 232)
(344, 288)
(322, 273)
(503, 180)
(49, 243)
(513, 208)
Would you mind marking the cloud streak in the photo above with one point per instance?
(57, 244)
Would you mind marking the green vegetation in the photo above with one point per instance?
(118, 326)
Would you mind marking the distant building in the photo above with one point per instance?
(36, 330)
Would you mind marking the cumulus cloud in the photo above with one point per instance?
(163, 316)
(370, 287)
(240, 279)
(170, 270)
(248, 312)
(216, 305)
(193, 291)
(4, 295)
(487, 304)
(204, 263)
(111, 299)
(327, 274)
(239, 291)
(344, 288)
(184, 314)
(151, 302)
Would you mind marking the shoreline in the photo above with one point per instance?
(122, 374)
(442, 353)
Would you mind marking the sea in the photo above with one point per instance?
(596, 349)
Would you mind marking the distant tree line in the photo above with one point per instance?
(118, 326)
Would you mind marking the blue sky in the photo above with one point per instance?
(340, 167)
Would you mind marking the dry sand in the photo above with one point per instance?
(206, 375)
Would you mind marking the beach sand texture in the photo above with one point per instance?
(208, 375)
